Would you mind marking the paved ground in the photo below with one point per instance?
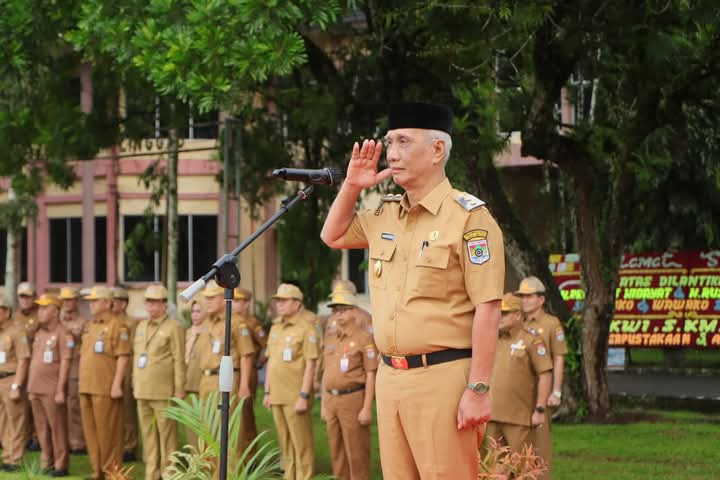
(667, 385)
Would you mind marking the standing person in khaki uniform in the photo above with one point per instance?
(158, 376)
(119, 309)
(26, 315)
(104, 357)
(292, 353)
(549, 328)
(47, 383)
(74, 325)
(210, 350)
(437, 268)
(193, 372)
(521, 380)
(348, 384)
(14, 360)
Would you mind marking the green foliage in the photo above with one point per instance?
(500, 463)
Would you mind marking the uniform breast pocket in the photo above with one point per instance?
(519, 353)
(159, 344)
(379, 263)
(430, 274)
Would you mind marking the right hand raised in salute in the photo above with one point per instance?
(362, 169)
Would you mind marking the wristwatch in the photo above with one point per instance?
(15, 386)
(557, 394)
(540, 409)
(304, 395)
(481, 388)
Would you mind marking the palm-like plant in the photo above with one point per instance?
(261, 459)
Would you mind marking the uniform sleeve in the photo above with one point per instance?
(243, 339)
(124, 347)
(311, 348)
(483, 257)
(539, 357)
(356, 234)
(258, 333)
(63, 348)
(557, 339)
(370, 354)
(178, 352)
(22, 345)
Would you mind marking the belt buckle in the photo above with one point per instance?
(335, 391)
(400, 363)
(207, 372)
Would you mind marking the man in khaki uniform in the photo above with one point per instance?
(26, 315)
(74, 325)
(521, 380)
(158, 376)
(47, 383)
(292, 353)
(193, 372)
(120, 302)
(348, 384)
(14, 360)
(104, 357)
(437, 270)
(549, 328)
(211, 344)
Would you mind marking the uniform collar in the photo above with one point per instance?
(432, 200)
(345, 331)
(157, 321)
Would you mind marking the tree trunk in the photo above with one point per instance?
(172, 217)
(13, 252)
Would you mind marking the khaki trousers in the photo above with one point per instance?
(542, 438)
(159, 435)
(76, 437)
(51, 427)
(102, 419)
(349, 441)
(417, 423)
(514, 436)
(294, 432)
(13, 425)
(130, 408)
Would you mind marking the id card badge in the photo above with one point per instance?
(3, 357)
(71, 343)
(48, 356)
(287, 354)
(99, 346)
(344, 364)
(142, 360)
(216, 347)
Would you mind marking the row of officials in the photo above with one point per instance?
(95, 384)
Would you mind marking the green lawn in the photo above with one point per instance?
(657, 445)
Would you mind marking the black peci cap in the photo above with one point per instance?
(420, 115)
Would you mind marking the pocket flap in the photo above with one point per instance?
(384, 251)
(434, 257)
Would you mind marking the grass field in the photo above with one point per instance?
(642, 445)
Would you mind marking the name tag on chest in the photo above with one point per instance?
(99, 346)
(344, 364)
(48, 356)
(142, 360)
(216, 347)
(287, 354)
(3, 357)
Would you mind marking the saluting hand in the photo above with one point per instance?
(473, 411)
(362, 169)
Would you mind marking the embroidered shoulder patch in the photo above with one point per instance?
(560, 334)
(477, 246)
(468, 202)
(540, 347)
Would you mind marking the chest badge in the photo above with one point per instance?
(434, 235)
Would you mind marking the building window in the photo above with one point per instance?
(66, 250)
(101, 249)
(357, 269)
(197, 247)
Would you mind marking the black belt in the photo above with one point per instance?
(216, 371)
(6, 374)
(426, 359)
(345, 391)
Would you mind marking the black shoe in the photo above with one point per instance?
(78, 451)
(33, 445)
(129, 457)
(59, 473)
(9, 467)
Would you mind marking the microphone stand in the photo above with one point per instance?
(227, 275)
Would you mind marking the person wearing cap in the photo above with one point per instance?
(549, 328)
(74, 324)
(211, 344)
(436, 274)
(193, 372)
(104, 356)
(292, 353)
(348, 383)
(14, 409)
(521, 380)
(27, 312)
(158, 376)
(47, 384)
(121, 299)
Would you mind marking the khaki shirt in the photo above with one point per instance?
(519, 359)
(49, 349)
(349, 354)
(97, 368)
(27, 320)
(257, 332)
(211, 342)
(161, 374)
(549, 328)
(14, 346)
(74, 326)
(291, 343)
(429, 267)
(193, 372)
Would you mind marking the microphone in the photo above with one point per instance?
(324, 176)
